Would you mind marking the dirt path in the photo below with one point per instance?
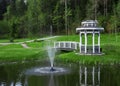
(25, 45)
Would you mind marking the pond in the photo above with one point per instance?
(16, 74)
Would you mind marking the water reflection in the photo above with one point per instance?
(89, 75)
(80, 75)
(51, 81)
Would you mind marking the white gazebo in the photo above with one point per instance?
(89, 27)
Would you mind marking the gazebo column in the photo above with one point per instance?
(93, 39)
(80, 42)
(99, 42)
(85, 42)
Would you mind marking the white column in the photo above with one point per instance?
(85, 42)
(99, 42)
(93, 39)
(80, 41)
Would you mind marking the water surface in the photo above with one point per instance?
(14, 74)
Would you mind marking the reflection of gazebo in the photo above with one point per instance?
(89, 27)
(89, 76)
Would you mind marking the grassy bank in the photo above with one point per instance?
(109, 42)
(110, 47)
(15, 52)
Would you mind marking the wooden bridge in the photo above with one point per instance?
(66, 45)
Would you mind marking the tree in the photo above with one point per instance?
(35, 17)
(4, 29)
(90, 9)
(3, 6)
(118, 14)
(15, 12)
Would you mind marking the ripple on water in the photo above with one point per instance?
(46, 71)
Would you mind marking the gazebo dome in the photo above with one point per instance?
(89, 25)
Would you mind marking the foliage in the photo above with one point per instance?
(4, 29)
(39, 18)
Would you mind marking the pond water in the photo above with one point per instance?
(16, 74)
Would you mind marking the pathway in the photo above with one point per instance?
(25, 45)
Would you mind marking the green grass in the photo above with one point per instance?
(36, 44)
(110, 48)
(105, 38)
(112, 55)
(15, 52)
(109, 45)
(16, 40)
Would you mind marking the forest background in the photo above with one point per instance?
(38, 18)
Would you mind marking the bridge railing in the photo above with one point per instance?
(66, 45)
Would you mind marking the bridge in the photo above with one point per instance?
(66, 45)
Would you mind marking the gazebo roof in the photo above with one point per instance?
(89, 25)
(90, 29)
(90, 21)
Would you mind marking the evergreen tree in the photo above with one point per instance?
(3, 6)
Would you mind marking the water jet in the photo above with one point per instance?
(52, 69)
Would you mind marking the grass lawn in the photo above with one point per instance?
(15, 52)
(109, 42)
(16, 40)
(110, 47)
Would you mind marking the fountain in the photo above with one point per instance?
(51, 54)
(51, 69)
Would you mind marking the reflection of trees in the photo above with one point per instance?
(8, 75)
(110, 76)
(3, 75)
(11, 74)
(37, 80)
